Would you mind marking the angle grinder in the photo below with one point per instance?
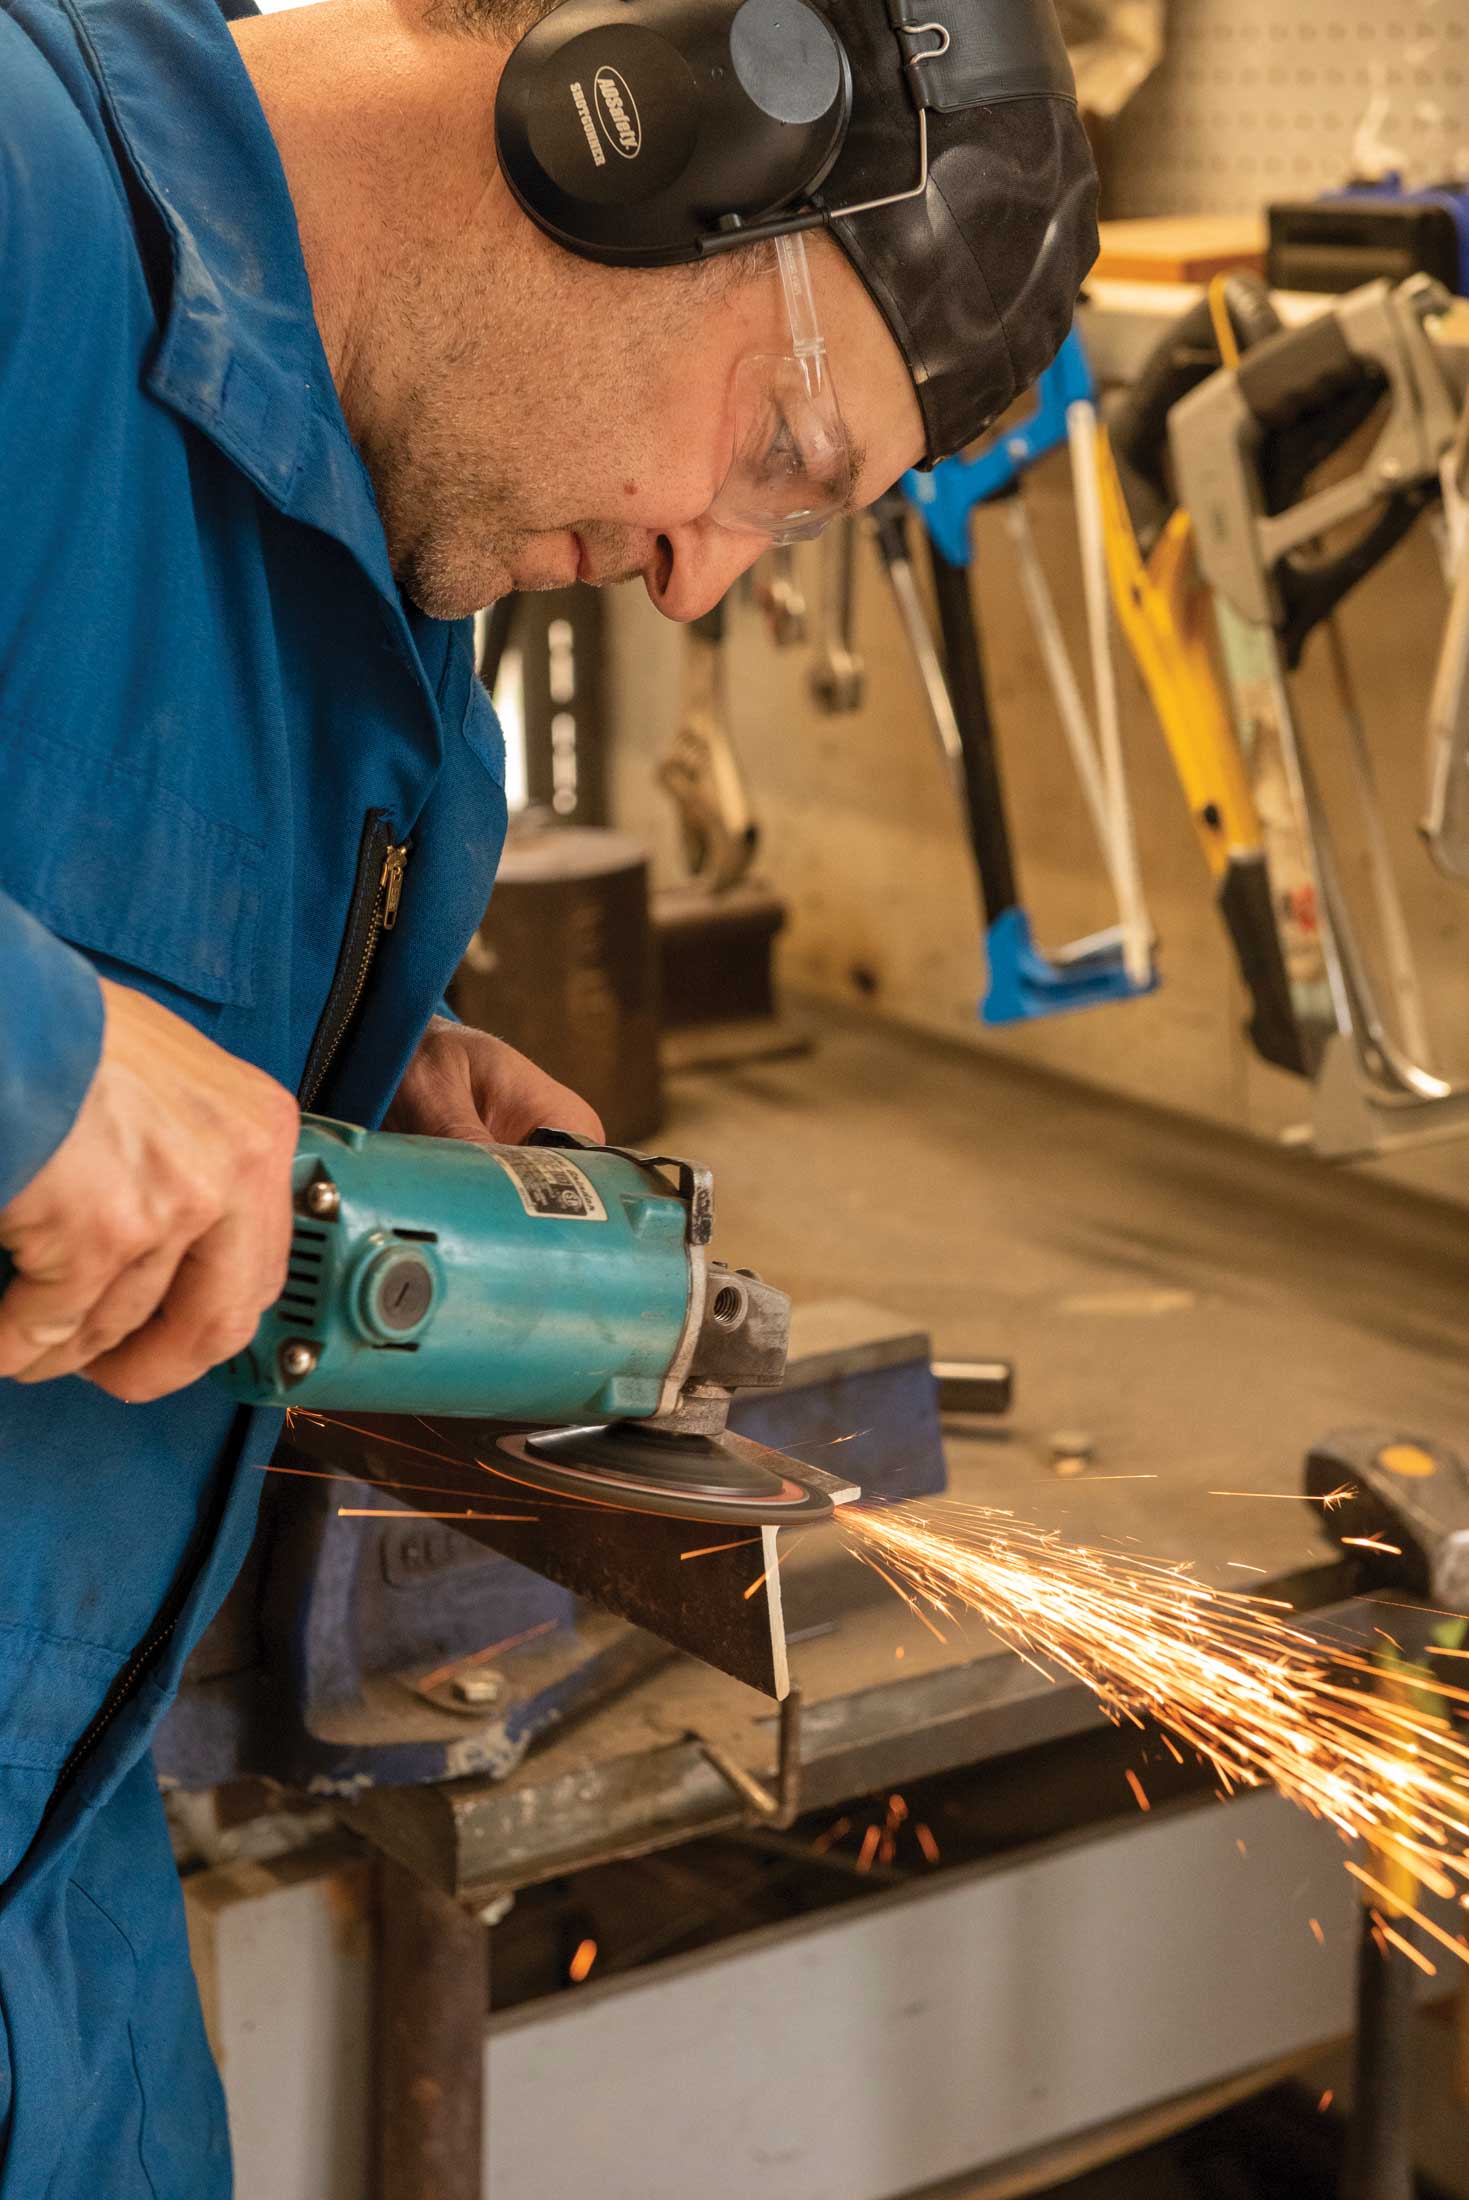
(560, 1289)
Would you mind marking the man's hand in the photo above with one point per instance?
(150, 1243)
(463, 1084)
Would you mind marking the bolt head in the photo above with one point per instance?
(298, 1358)
(1072, 1451)
(478, 1689)
(322, 1198)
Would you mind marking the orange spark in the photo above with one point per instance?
(1325, 2102)
(707, 1550)
(420, 1512)
(870, 1841)
(1373, 1543)
(1332, 1498)
(581, 1963)
(924, 1837)
(1316, 1932)
(1137, 1788)
(447, 1672)
(1404, 1947)
(370, 1481)
(1230, 1676)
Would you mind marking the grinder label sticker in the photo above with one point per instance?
(549, 1184)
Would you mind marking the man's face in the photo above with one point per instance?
(588, 440)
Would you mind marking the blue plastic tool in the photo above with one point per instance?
(945, 498)
(1024, 983)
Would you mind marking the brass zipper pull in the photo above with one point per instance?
(395, 863)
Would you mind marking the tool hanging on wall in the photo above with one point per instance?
(1114, 964)
(838, 677)
(1260, 870)
(702, 772)
(716, 931)
(1446, 820)
(776, 588)
(1246, 444)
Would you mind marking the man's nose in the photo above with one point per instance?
(694, 567)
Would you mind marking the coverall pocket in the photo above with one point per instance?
(151, 889)
(50, 1691)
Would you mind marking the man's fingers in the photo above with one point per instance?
(122, 1308)
(222, 1286)
(39, 1313)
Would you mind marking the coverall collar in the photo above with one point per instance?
(241, 355)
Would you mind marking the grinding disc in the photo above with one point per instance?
(639, 1469)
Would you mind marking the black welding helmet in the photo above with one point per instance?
(938, 140)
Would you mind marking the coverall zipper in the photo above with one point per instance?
(373, 910)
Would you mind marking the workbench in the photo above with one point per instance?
(1197, 1308)
(1201, 1305)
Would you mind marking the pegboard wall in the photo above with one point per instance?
(1263, 99)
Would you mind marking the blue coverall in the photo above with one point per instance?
(215, 708)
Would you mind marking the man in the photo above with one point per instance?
(291, 381)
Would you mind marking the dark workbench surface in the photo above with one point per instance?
(1201, 1306)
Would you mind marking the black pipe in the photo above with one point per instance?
(983, 788)
(1379, 2154)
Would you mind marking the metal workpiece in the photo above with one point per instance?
(724, 1608)
(681, 1760)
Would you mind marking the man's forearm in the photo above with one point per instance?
(51, 1022)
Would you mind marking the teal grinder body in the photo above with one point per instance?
(532, 1284)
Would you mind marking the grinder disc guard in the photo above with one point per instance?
(637, 1469)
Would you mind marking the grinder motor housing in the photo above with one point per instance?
(548, 1283)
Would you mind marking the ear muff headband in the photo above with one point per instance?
(637, 132)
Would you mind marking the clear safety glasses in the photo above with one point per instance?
(792, 468)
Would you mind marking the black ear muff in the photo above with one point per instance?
(629, 129)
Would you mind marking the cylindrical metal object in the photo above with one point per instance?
(1379, 2158)
(975, 1386)
(564, 968)
(432, 2000)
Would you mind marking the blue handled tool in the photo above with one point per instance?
(946, 497)
(1114, 965)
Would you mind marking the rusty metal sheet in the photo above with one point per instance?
(723, 1607)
